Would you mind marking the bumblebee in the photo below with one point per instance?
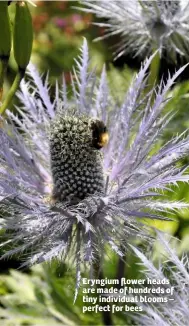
(100, 135)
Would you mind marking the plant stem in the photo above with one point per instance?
(20, 74)
(3, 69)
(153, 74)
(121, 268)
(98, 274)
(154, 70)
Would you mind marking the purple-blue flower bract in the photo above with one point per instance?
(169, 307)
(144, 25)
(134, 180)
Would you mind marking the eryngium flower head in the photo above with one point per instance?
(145, 25)
(54, 145)
(76, 162)
(175, 271)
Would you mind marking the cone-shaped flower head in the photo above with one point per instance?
(174, 310)
(65, 190)
(76, 161)
(145, 25)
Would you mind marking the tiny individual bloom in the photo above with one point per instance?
(77, 174)
(171, 307)
(144, 25)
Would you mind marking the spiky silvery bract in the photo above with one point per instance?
(175, 271)
(144, 25)
(55, 144)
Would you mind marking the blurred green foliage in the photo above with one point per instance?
(58, 33)
(44, 297)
